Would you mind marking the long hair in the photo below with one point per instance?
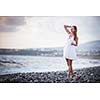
(75, 33)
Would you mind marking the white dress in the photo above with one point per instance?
(69, 50)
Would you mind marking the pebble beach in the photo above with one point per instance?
(84, 75)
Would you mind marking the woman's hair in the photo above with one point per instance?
(75, 33)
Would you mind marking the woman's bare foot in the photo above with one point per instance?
(70, 75)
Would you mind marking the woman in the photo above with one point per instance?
(69, 52)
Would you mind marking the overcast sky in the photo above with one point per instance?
(33, 32)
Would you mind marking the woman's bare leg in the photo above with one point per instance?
(69, 64)
(70, 68)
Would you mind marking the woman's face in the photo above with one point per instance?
(73, 29)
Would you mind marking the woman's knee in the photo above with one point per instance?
(70, 62)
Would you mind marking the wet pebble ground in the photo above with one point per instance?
(85, 75)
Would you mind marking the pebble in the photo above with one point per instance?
(91, 74)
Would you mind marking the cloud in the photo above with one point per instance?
(10, 23)
(8, 28)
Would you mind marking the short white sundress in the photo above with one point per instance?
(69, 51)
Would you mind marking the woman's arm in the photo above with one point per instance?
(66, 28)
(76, 42)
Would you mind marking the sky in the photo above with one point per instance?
(45, 31)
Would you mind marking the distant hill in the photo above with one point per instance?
(89, 48)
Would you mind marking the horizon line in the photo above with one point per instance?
(45, 47)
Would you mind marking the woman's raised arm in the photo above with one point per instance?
(66, 28)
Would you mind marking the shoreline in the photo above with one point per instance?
(84, 75)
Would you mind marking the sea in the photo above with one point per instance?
(21, 64)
